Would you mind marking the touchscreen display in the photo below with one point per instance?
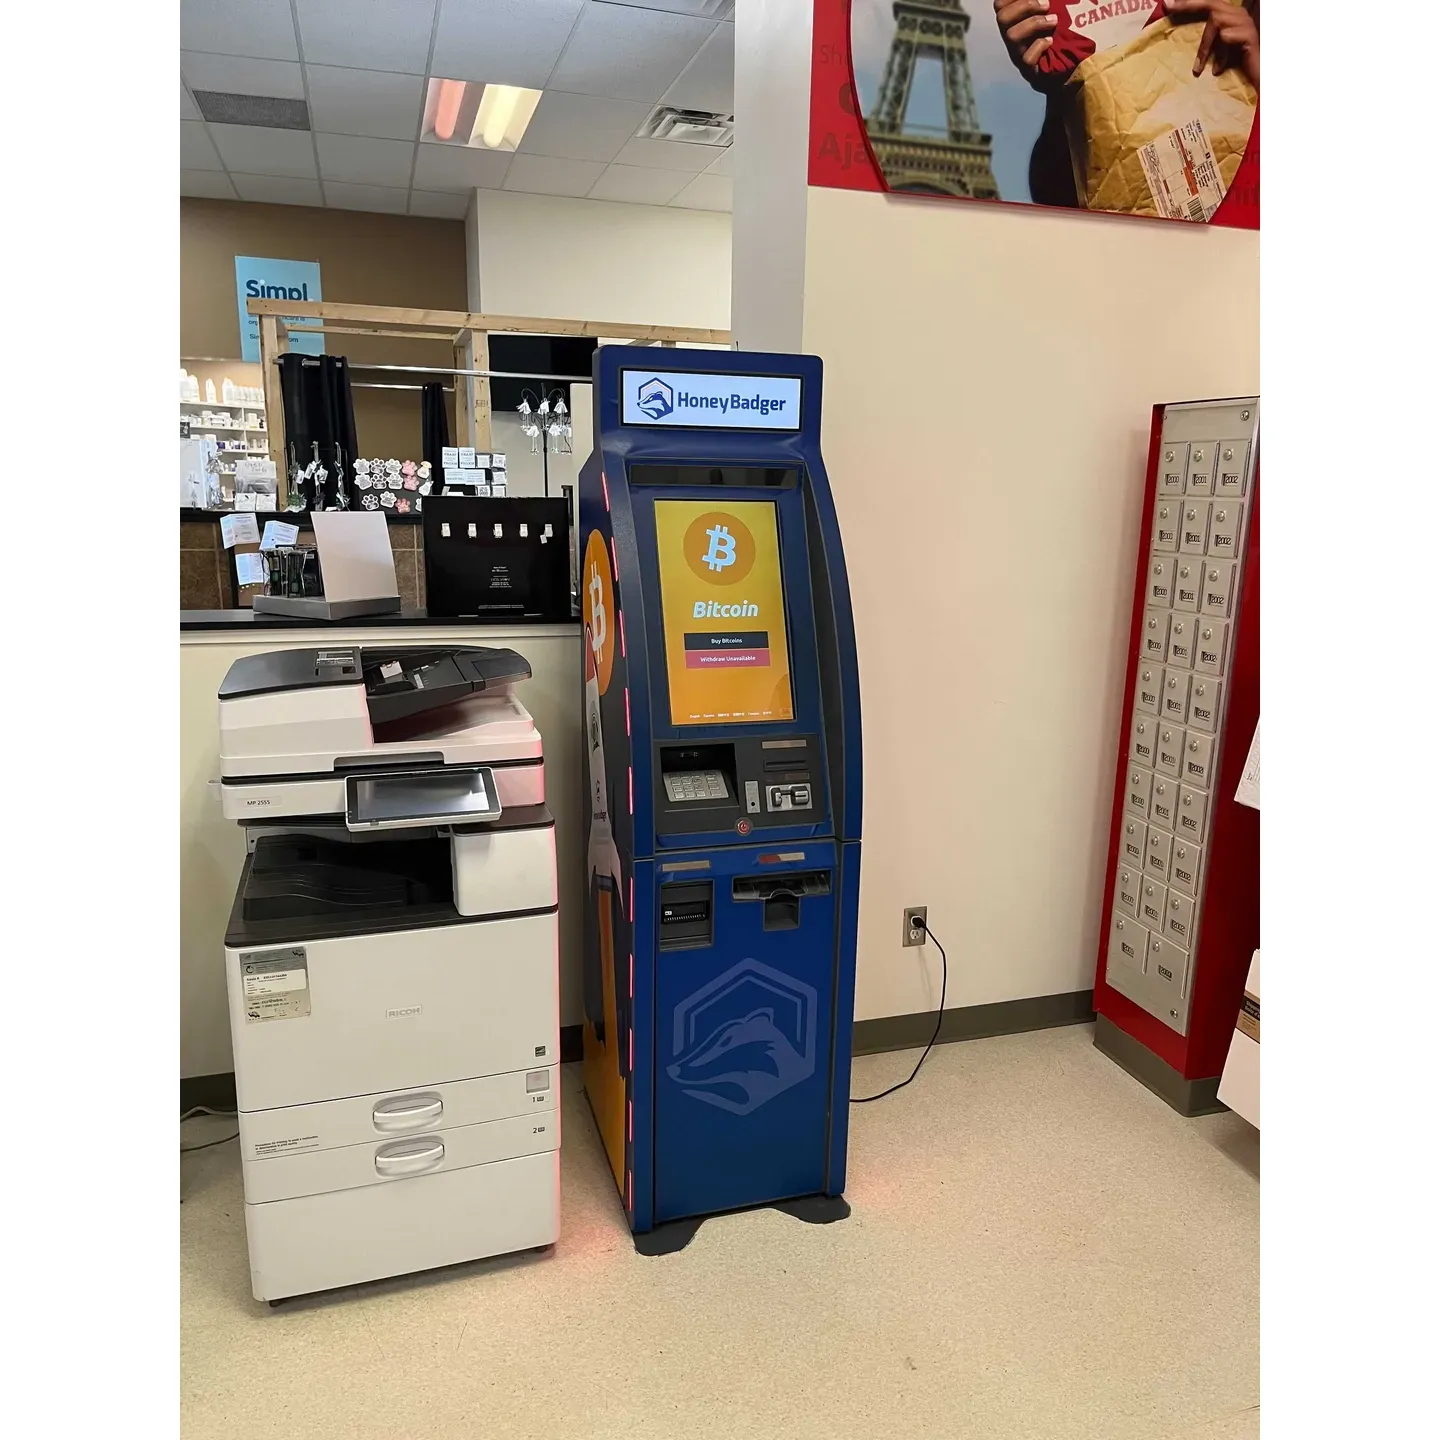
(726, 648)
(424, 797)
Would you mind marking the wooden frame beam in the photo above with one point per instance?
(467, 333)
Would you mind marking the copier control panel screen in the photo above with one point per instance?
(727, 651)
(455, 795)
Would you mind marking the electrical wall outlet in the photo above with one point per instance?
(914, 925)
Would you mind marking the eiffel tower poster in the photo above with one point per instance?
(957, 162)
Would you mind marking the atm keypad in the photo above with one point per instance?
(691, 785)
(1196, 533)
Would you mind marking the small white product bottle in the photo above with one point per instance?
(209, 392)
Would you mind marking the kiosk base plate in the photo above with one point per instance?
(673, 1235)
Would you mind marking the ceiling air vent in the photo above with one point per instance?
(221, 108)
(694, 127)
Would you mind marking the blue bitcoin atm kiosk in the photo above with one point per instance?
(723, 728)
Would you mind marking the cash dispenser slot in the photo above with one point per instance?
(687, 914)
(781, 894)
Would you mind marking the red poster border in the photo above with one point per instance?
(841, 157)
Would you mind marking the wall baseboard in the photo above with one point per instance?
(1189, 1097)
(974, 1022)
(890, 1032)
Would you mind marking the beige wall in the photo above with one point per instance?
(989, 377)
(598, 260)
(212, 849)
(366, 259)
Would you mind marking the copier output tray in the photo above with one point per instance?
(298, 876)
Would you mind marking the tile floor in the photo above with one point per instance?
(1039, 1248)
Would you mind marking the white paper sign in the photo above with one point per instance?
(355, 555)
(277, 532)
(238, 530)
(250, 568)
(1248, 791)
(254, 470)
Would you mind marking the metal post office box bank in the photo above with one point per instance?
(1187, 851)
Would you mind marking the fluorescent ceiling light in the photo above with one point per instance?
(484, 117)
(504, 112)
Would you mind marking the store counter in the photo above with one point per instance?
(212, 849)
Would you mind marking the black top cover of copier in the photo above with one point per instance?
(399, 680)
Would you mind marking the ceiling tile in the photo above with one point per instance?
(628, 54)
(196, 151)
(277, 189)
(207, 184)
(708, 81)
(724, 164)
(365, 102)
(509, 42)
(368, 34)
(666, 154)
(364, 161)
(707, 192)
(544, 175)
(262, 28)
(236, 76)
(638, 185)
(187, 105)
(258, 150)
(438, 205)
(458, 167)
(387, 199)
(581, 127)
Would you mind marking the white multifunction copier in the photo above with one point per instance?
(391, 962)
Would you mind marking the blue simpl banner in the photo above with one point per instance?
(258, 279)
(709, 400)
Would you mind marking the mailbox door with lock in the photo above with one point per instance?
(1182, 886)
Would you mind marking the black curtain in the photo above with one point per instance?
(434, 432)
(315, 391)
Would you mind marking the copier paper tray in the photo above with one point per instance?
(292, 877)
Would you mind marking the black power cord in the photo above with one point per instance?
(224, 1140)
(939, 1019)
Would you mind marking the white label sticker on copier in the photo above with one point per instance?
(275, 984)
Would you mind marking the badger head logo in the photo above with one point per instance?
(655, 398)
(746, 1037)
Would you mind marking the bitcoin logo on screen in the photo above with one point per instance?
(722, 548)
(719, 548)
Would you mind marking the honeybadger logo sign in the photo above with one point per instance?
(744, 1038)
(656, 398)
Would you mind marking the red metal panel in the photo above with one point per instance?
(1228, 922)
